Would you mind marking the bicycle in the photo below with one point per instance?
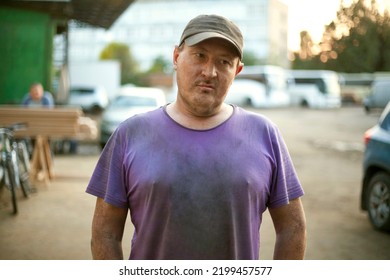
(14, 163)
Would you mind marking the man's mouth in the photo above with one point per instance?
(206, 86)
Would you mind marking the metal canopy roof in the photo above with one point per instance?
(99, 13)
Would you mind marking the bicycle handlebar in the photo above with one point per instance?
(16, 126)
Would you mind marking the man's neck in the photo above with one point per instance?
(192, 121)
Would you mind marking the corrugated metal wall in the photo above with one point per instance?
(26, 48)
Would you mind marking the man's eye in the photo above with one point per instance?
(226, 62)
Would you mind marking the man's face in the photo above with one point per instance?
(36, 92)
(205, 72)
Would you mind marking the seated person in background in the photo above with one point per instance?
(37, 97)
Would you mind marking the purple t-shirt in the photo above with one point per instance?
(195, 194)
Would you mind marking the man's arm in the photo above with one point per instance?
(107, 231)
(47, 100)
(25, 100)
(290, 227)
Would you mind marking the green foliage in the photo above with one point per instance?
(358, 40)
(249, 58)
(384, 63)
(122, 53)
(160, 65)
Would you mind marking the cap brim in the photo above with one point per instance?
(197, 38)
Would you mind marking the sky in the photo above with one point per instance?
(312, 16)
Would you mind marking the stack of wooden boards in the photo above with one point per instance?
(44, 124)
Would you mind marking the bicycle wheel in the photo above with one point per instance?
(23, 154)
(11, 184)
(24, 169)
(24, 181)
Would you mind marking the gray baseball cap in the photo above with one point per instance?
(205, 27)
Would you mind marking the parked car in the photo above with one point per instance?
(379, 95)
(375, 195)
(128, 102)
(92, 99)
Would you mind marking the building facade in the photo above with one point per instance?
(26, 52)
(151, 28)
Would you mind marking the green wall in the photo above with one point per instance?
(25, 52)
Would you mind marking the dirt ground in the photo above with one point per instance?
(326, 147)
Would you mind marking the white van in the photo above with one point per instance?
(314, 88)
(379, 96)
(274, 79)
(245, 92)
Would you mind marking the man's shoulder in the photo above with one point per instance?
(47, 95)
(151, 116)
(47, 99)
(154, 113)
(141, 122)
(249, 115)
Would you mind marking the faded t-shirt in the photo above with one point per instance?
(195, 194)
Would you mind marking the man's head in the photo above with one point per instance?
(36, 91)
(205, 27)
(206, 61)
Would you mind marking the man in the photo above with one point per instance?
(197, 174)
(37, 97)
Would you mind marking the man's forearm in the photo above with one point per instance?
(290, 245)
(107, 231)
(106, 249)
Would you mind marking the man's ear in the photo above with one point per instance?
(176, 52)
(239, 67)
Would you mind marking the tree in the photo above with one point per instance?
(306, 51)
(305, 58)
(122, 53)
(358, 40)
(160, 65)
(250, 58)
(384, 63)
(355, 38)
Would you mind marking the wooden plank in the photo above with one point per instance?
(43, 124)
(58, 122)
(38, 111)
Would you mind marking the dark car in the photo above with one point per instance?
(375, 197)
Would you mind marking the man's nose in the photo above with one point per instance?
(209, 69)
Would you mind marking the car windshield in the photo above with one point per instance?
(315, 81)
(133, 101)
(81, 91)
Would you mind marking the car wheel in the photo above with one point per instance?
(304, 104)
(96, 109)
(248, 102)
(378, 201)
